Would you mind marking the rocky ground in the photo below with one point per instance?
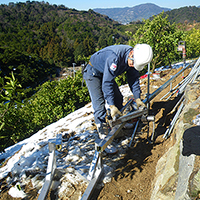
(136, 170)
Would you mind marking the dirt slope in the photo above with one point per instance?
(133, 179)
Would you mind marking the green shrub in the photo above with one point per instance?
(52, 101)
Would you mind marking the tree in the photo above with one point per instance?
(102, 42)
(79, 53)
(88, 46)
(52, 100)
(162, 36)
(8, 98)
(111, 40)
(193, 43)
(67, 52)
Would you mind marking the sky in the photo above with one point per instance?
(91, 4)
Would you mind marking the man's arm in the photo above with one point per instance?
(134, 84)
(109, 75)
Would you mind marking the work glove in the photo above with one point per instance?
(115, 113)
(140, 104)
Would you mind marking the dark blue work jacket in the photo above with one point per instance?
(111, 62)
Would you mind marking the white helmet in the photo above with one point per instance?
(143, 55)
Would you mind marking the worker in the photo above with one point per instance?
(100, 73)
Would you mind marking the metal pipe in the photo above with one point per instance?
(98, 171)
(188, 79)
(109, 138)
(196, 74)
(74, 69)
(131, 115)
(133, 135)
(178, 103)
(183, 81)
(179, 84)
(171, 126)
(50, 171)
(94, 165)
(170, 85)
(126, 105)
(151, 96)
(153, 133)
(172, 91)
(148, 87)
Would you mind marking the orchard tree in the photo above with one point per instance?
(52, 101)
(193, 43)
(162, 36)
(8, 99)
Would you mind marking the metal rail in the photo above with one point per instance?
(134, 133)
(51, 167)
(95, 172)
(197, 64)
(173, 90)
(129, 116)
(151, 96)
(192, 76)
(172, 124)
(50, 172)
(182, 85)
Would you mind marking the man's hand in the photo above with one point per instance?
(115, 113)
(140, 104)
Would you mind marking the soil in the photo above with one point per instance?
(134, 176)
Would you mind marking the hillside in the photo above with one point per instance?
(56, 33)
(50, 36)
(188, 14)
(129, 14)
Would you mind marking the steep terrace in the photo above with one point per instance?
(177, 176)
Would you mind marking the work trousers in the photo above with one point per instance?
(94, 85)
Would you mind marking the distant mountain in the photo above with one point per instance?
(129, 14)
